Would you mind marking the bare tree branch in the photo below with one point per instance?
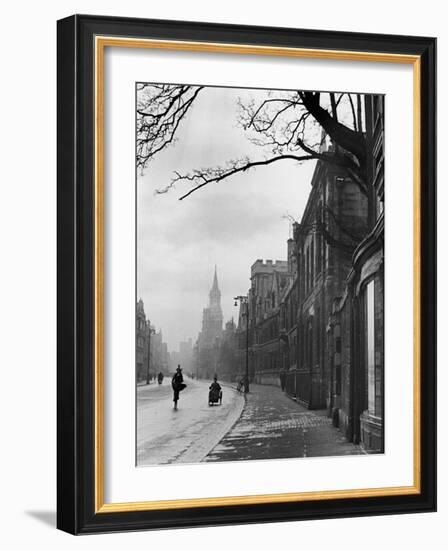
(348, 139)
(201, 178)
(292, 125)
(160, 110)
(334, 109)
(358, 101)
(355, 124)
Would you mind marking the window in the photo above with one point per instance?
(312, 261)
(373, 370)
(310, 343)
(337, 381)
(319, 248)
(338, 374)
(306, 270)
(319, 253)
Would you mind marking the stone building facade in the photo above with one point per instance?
(316, 324)
(288, 335)
(269, 280)
(356, 325)
(148, 341)
(243, 343)
(227, 354)
(160, 358)
(332, 224)
(141, 342)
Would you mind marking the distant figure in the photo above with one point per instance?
(215, 393)
(283, 380)
(215, 385)
(160, 377)
(178, 385)
(242, 385)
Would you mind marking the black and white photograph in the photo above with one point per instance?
(260, 273)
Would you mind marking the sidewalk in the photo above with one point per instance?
(274, 426)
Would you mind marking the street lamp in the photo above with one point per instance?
(150, 331)
(245, 302)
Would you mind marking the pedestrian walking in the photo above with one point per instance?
(178, 385)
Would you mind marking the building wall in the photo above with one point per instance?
(324, 253)
(269, 280)
(227, 356)
(159, 359)
(357, 320)
(141, 356)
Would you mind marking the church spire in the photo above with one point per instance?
(215, 281)
(215, 293)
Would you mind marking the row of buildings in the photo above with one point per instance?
(151, 352)
(152, 355)
(316, 319)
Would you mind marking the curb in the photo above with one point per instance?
(232, 426)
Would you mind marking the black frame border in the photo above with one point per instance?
(76, 263)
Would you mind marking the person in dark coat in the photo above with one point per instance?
(215, 392)
(177, 384)
(215, 387)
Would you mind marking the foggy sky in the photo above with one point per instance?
(230, 224)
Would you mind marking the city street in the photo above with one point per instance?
(187, 435)
(266, 425)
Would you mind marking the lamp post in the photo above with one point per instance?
(245, 301)
(150, 331)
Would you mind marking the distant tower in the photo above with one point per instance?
(211, 333)
(212, 316)
(215, 293)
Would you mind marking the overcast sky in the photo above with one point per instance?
(230, 224)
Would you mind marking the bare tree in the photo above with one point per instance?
(160, 109)
(285, 125)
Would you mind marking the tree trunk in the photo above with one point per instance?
(351, 141)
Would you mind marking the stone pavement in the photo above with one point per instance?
(274, 426)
